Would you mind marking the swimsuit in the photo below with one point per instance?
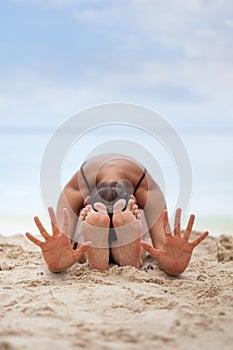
(112, 234)
(89, 187)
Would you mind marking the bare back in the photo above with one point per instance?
(107, 168)
(113, 167)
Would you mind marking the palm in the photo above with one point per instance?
(56, 249)
(58, 252)
(177, 251)
(176, 254)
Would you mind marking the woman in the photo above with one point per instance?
(100, 209)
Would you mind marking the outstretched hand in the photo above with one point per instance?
(177, 251)
(57, 249)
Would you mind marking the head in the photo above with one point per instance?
(109, 193)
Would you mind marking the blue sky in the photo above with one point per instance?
(59, 57)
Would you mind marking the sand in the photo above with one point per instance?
(123, 308)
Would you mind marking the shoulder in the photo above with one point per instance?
(148, 191)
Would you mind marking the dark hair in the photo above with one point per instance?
(109, 193)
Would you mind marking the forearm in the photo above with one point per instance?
(154, 218)
(153, 209)
(64, 202)
(157, 233)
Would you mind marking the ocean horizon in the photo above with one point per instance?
(22, 151)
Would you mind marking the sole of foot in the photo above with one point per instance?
(127, 251)
(94, 227)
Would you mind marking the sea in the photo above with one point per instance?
(205, 160)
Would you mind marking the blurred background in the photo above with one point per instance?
(59, 57)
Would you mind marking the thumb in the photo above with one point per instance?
(82, 249)
(154, 252)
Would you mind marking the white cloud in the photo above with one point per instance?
(32, 100)
(3, 101)
(229, 23)
(180, 23)
(197, 94)
(58, 3)
(110, 14)
(195, 27)
(106, 16)
(184, 63)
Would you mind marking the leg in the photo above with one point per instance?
(94, 227)
(127, 224)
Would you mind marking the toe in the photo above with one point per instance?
(82, 215)
(136, 211)
(84, 212)
(119, 205)
(130, 204)
(134, 207)
(100, 207)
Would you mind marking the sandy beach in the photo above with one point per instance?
(123, 308)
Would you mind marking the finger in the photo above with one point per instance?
(154, 252)
(41, 228)
(53, 221)
(82, 249)
(55, 229)
(166, 225)
(34, 239)
(177, 222)
(200, 239)
(66, 221)
(189, 227)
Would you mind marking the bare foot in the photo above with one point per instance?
(127, 251)
(95, 226)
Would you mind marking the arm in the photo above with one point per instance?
(153, 211)
(151, 199)
(70, 198)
